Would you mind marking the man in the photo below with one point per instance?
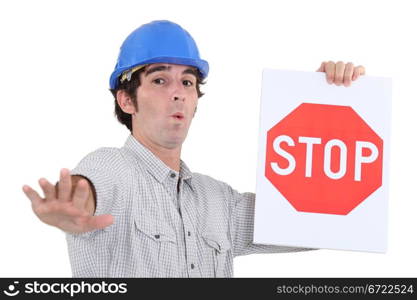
(138, 211)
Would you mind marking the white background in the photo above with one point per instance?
(56, 58)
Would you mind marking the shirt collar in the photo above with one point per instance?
(156, 167)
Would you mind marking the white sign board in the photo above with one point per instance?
(322, 177)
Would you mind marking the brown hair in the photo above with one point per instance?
(130, 88)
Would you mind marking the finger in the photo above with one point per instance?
(65, 185)
(347, 77)
(99, 222)
(340, 70)
(329, 68)
(32, 195)
(358, 71)
(48, 189)
(81, 194)
(321, 68)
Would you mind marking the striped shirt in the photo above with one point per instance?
(166, 223)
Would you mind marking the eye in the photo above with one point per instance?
(187, 83)
(158, 81)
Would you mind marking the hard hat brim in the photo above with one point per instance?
(200, 64)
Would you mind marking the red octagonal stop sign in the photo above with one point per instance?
(324, 158)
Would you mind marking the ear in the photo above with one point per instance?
(125, 102)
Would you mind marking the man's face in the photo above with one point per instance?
(167, 98)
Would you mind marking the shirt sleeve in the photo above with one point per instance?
(97, 168)
(242, 224)
(89, 250)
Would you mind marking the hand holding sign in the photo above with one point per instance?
(340, 73)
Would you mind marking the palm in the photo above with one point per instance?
(68, 208)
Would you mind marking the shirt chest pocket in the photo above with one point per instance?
(219, 249)
(155, 248)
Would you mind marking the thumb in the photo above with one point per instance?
(99, 222)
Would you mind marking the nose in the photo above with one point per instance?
(178, 92)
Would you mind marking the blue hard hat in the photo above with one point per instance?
(158, 42)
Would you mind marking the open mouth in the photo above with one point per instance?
(178, 116)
